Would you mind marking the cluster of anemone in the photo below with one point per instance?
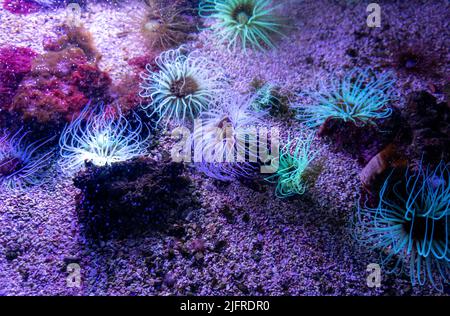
(411, 225)
(184, 86)
(22, 163)
(361, 97)
(225, 139)
(293, 162)
(101, 136)
(248, 23)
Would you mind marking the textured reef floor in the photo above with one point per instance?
(232, 238)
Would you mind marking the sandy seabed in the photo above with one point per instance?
(263, 245)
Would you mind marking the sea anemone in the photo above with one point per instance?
(411, 225)
(269, 99)
(101, 138)
(252, 23)
(292, 167)
(359, 97)
(166, 25)
(22, 163)
(184, 86)
(225, 140)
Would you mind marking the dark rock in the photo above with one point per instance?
(132, 197)
(220, 245)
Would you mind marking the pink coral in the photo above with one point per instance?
(15, 63)
(20, 6)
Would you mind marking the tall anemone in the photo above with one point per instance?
(411, 225)
(294, 160)
(253, 23)
(184, 86)
(225, 139)
(359, 97)
(101, 136)
(22, 163)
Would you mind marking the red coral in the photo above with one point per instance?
(139, 63)
(20, 6)
(59, 86)
(15, 63)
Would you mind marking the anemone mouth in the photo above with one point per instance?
(10, 165)
(184, 87)
(242, 13)
(420, 229)
(409, 61)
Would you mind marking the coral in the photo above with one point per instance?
(22, 163)
(184, 86)
(72, 36)
(101, 138)
(15, 63)
(134, 195)
(292, 167)
(59, 85)
(359, 97)
(225, 140)
(411, 225)
(250, 23)
(21, 6)
(166, 25)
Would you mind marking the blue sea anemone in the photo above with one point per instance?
(252, 23)
(292, 167)
(22, 163)
(184, 86)
(101, 138)
(359, 97)
(225, 139)
(411, 225)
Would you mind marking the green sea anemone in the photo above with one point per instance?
(360, 97)
(184, 86)
(292, 167)
(252, 23)
(411, 225)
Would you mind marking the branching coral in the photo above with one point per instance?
(252, 23)
(166, 25)
(225, 141)
(411, 225)
(22, 163)
(359, 97)
(101, 138)
(292, 167)
(184, 86)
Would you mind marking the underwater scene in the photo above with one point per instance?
(224, 148)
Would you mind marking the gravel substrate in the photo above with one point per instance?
(242, 240)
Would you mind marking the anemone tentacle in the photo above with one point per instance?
(101, 138)
(252, 23)
(226, 141)
(184, 86)
(290, 176)
(411, 225)
(21, 163)
(359, 97)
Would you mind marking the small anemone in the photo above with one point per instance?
(411, 225)
(359, 97)
(101, 138)
(225, 140)
(166, 25)
(22, 163)
(294, 160)
(252, 23)
(184, 86)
